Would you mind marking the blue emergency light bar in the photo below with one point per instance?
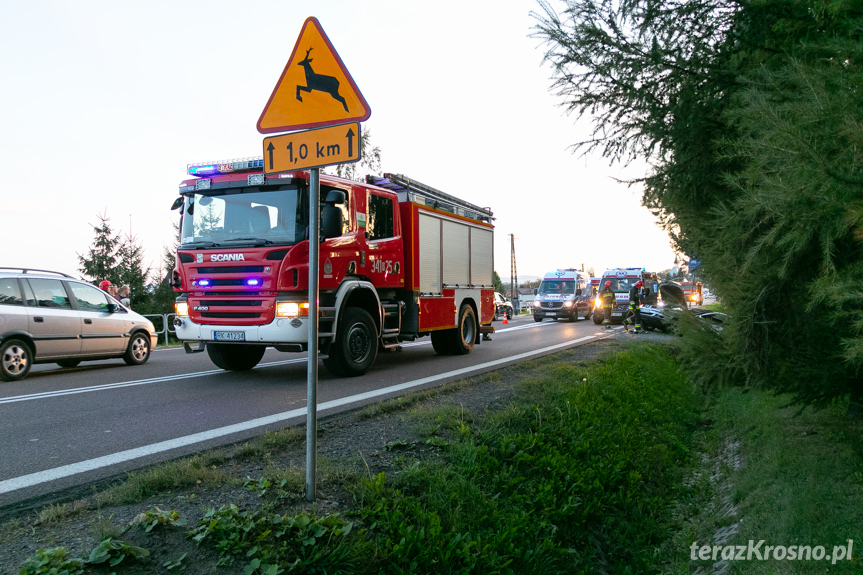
(228, 167)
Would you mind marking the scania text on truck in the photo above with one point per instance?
(563, 293)
(622, 279)
(399, 260)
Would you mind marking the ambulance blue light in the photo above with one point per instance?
(253, 282)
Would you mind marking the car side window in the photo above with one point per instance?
(90, 298)
(50, 293)
(10, 292)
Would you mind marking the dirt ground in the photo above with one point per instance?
(341, 440)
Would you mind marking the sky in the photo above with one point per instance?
(104, 104)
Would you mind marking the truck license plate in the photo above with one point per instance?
(229, 335)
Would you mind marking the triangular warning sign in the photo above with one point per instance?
(315, 88)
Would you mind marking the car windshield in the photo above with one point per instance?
(246, 214)
(620, 284)
(550, 287)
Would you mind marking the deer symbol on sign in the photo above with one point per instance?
(318, 82)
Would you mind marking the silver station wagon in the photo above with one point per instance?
(50, 317)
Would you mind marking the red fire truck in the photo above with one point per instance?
(398, 260)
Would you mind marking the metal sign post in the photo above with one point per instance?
(312, 372)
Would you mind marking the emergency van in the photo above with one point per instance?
(622, 279)
(563, 293)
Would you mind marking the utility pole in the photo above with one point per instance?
(513, 274)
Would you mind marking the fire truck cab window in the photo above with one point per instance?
(346, 212)
(379, 223)
(278, 216)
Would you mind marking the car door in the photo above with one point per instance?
(51, 319)
(103, 332)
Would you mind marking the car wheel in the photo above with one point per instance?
(356, 345)
(15, 360)
(537, 318)
(138, 351)
(235, 356)
(68, 362)
(596, 319)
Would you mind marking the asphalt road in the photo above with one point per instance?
(66, 428)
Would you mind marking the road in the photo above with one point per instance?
(65, 428)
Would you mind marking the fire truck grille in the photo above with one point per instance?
(231, 303)
(232, 270)
(230, 315)
(227, 282)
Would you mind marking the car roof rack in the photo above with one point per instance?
(34, 270)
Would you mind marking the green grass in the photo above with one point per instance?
(577, 477)
(795, 477)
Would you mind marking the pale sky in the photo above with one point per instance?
(105, 103)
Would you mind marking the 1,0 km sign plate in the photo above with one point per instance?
(312, 148)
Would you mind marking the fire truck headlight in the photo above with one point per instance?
(291, 309)
(182, 309)
(287, 309)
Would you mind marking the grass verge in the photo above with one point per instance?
(791, 478)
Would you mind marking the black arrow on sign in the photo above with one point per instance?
(350, 136)
(270, 149)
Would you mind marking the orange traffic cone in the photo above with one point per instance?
(504, 320)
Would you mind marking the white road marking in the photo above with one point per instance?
(39, 477)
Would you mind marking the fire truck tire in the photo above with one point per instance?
(138, 351)
(465, 333)
(441, 341)
(235, 356)
(356, 345)
(15, 360)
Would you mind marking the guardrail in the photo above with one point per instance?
(166, 320)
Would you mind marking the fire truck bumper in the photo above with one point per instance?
(281, 332)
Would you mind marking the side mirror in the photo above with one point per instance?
(535, 291)
(112, 308)
(331, 221)
(177, 203)
(578, 291)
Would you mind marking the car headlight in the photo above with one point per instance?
(567, 303)
(536, 304)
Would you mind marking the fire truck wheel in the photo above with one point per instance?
(465, 332)
(235, 356)
(15, 360)
(356, 345)
(138, 351)
(441, 341)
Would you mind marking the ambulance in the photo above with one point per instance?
(563, 293)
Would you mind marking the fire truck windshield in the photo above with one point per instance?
(245, 214)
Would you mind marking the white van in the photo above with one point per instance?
(563, 293)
